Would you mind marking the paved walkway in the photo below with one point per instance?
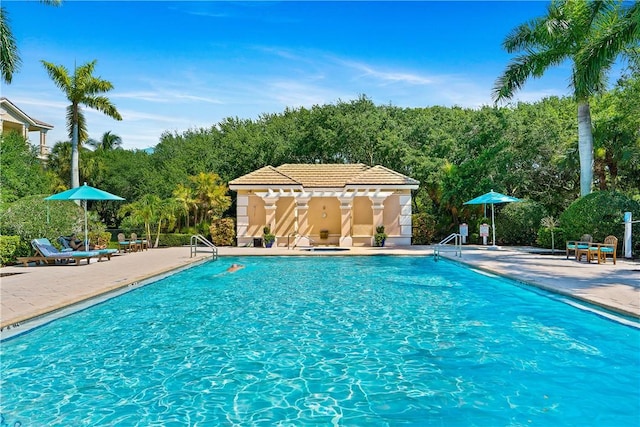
(29, 292)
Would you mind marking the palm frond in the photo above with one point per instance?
(9, 58)
(75, 114)
(521, 68)
(60, 76)
(94, 85)
(102, 104)
(614, 35)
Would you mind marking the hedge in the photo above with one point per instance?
(600, 214)
(11, 247)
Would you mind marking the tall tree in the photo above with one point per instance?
(572, 30)
(109, 141)
(81, 88)
(9, 57)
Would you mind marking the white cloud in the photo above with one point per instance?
(386, 77)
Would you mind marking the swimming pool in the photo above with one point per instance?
(321, 341)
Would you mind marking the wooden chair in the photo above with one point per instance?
(579, 247)
(137, 243)
(124, 245)
(601, 250)
(142, 244)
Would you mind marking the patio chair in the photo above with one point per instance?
(47, 253)
(579, 247)
(141, 244)
(125, 245)
(601, 250)
(66, 247)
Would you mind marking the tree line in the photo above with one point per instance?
(527, 150)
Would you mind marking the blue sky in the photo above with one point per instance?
(182, 65)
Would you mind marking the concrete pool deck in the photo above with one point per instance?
(29, 292)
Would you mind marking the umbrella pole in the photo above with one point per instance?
(493, 224)
(86, 231)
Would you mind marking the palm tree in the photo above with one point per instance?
(9, 58)
(109, 141)
(184, 196)
(81, 88)
(550, 223)
(166, 213)
(143, 211)
(575, 30)
(210, 193)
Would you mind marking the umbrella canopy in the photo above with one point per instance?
(84, 192)
(492, 198)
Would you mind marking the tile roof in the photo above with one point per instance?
(266, 175)
(324, 176)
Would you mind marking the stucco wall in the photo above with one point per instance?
(257, 216)
(285, 219)
(362, 213)
(324, 214)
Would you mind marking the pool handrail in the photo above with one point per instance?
(444, 246)
(199, 238)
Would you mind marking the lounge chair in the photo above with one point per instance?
(601, 250)
(47, 253)
(125, 245)
(579, 247)
(102, 252)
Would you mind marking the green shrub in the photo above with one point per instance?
(32, 217)
(380, 236)
(424, 228)
(544, 238)
(518, 223)
(600, 214)
(223, 232)
(12, 247)
(174, 239)
(100, 238)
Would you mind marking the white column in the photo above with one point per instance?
(43, 144)
(346, 209)
(242, 220)
(302, 210)
(377, 205)
(404, 219)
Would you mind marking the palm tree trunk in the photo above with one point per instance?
(147, 232)
(585, 147)
(75, 154)
(158, 234)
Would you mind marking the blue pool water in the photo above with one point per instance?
(322, 341)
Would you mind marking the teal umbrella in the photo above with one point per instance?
(492, 198)
(84, 193)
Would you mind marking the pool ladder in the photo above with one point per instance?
(444, 245)
(199, 238)
(296, 239)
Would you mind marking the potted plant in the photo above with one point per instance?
(380, 236)
(268, 237)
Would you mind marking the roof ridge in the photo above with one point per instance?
(275, 169)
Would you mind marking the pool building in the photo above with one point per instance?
(324, 204)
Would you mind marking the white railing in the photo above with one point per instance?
(444, 245)
(199, 238)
